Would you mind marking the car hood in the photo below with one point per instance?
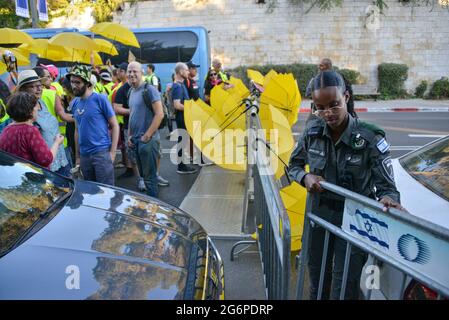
(106, 243)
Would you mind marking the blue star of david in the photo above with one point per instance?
(368, 226)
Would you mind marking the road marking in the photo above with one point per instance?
(426, 135)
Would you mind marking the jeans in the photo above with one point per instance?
(334, 263)
(98, 167)
(146, 156)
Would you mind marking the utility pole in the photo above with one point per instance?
(34, 15)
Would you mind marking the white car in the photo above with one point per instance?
(422, 178)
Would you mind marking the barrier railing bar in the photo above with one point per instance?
(345, 270)
(323, 264)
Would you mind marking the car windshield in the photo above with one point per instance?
(430, 166)
(26, 191)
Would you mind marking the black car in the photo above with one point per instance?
(73, 239)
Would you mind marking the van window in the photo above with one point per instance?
(160, 47)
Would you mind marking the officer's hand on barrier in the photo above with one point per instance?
(312, 183)
(390, 203)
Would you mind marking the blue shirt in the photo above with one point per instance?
(179, 92)
(91, 117)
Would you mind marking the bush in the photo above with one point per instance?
(301, 72)
(421, 89)
(352, 76)
(440, 89)
(391, 80)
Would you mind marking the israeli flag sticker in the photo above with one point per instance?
(383, 145)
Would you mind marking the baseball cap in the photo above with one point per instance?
(123, 66)
(106, 76)
(52, 69)
(190, 64)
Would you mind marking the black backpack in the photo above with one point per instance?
(147, 100)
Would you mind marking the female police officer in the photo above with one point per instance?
(347, 152)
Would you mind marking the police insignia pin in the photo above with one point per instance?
(358, 142)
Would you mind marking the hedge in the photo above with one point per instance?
(440, 89)
(391, 80)
(301, 72)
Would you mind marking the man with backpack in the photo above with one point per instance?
(152, 78)
(144, 121)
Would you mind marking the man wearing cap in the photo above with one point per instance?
(95, 152)
(106, 81)
(191, 83)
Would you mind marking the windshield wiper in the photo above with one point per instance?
(42, 216)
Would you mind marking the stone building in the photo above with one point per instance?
(356, 36)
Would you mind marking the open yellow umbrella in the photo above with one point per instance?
(116, 32)
(14, 36)
(282, 93)
(22, 57)
(44, 49)
(73, 41)
(106, 47)
(294, 198)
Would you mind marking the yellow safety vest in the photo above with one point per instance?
(119, 117)
(49, 97)
(108, 88)
(223, 76)
(99, 88)
(5, 116)
(59, 88)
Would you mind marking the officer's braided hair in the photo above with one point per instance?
(330, 78)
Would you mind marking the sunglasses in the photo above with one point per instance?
(213, 74)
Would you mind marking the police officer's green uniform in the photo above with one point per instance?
(359, 161)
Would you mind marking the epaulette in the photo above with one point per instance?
(371, 127)
(315, 128)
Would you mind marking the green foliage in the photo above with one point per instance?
(8, 16)
(301, 72)
(440, 89)
(352, 75)
(104, 9)
(391, 80)
(421, 89)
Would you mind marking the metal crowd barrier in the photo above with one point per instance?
(416, 247)
(273, 224)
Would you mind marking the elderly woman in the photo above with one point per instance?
(30, 82)
(21, 137)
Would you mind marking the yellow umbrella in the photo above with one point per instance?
(21, 56)
(106, 47)
(73, 40)
(269, 76)
(84, 57)
(13, 36)
(294, 197)
(46, 50)
(225, 148)
(282, 93)
(116, 32)
(256, 76)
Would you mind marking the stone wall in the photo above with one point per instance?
(355, 36)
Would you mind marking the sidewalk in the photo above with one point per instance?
(408, 105)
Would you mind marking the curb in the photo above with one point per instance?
(395, 109)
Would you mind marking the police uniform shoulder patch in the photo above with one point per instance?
(387, 169)
(383, 146)
(358, 142)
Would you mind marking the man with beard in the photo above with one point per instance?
(95, 152)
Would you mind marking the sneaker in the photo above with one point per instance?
(141, 185)
(185, 169)
(161, 182)
(127, 174)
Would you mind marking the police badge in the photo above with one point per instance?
(358, 142)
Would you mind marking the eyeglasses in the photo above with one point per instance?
(213, 74)
(333, 108)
